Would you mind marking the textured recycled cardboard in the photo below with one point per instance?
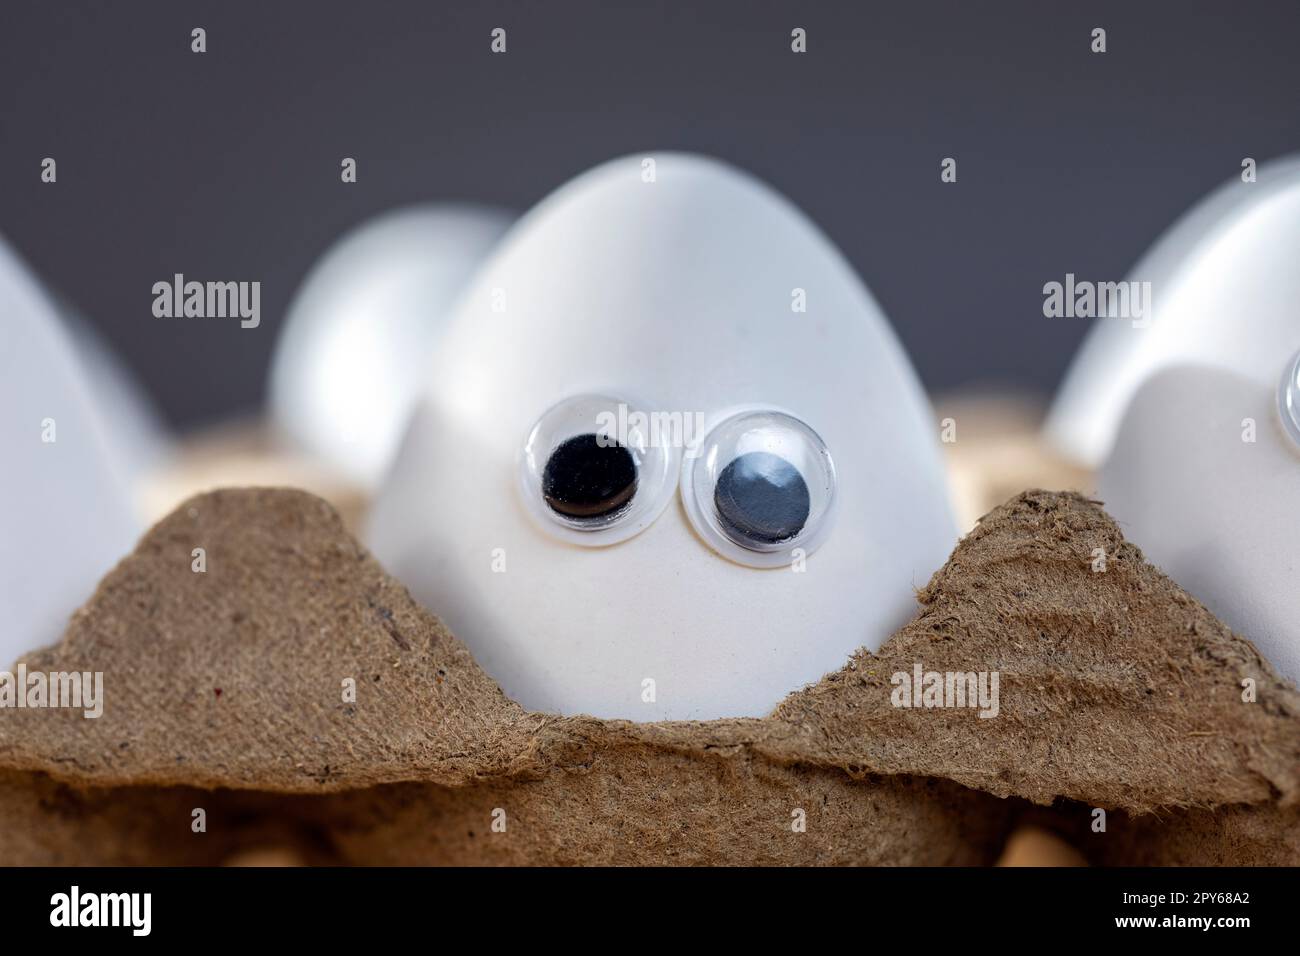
(1118, 691)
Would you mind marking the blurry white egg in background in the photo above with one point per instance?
(145, 441)
(358, 336)
(672, 295)
(1194, 420)
(78, 436)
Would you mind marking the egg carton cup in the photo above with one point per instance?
(1121, 699)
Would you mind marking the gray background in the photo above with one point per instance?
(226, 165)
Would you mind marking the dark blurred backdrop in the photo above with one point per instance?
(226, 165)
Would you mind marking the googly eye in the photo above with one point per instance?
(759, 485)
(590, 474)
(1288, 399)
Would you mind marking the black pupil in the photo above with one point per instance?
(589, 477)
(762, 497)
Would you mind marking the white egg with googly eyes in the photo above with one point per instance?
(354, 350)
(1194, 418)
(68, 512)
(671, 462)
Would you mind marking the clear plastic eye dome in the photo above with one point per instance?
(591, 474)
(760, 485)
(1288, 399)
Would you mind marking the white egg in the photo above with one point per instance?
(1217, 513)
(1224, 287)
(354, 350)
(1196, 418)
(67, 513)
(144, 440)
(723, 575)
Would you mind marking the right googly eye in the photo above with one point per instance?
(589, 473)
(761, 484)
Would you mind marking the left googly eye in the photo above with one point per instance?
(761, 484)
(591, 475)
(1288, 399)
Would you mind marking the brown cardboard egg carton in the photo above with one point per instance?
(225, 705)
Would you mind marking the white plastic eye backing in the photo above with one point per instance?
(1288, 399)
(590, 474)
(760, 484)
